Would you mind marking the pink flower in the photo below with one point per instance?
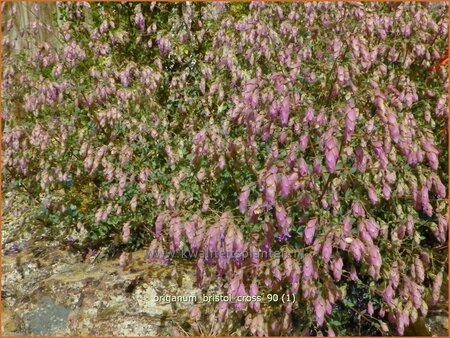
(253, 290)
(340, 74)
(304, 201)
(393, 126)
(124, 259)
(175, 233)
(327, 250)
(273, 110)
(330, 332)
(419, 269)
(294, 278)
(243, 199)
(201, 174)
(200, 272)
(415, 294)
(374, 257)
(293, 182)
(439, 187)
(308, 268)
(336, 46)
(424, 200)
(133, 203)
(388, 295)
(441, 231)
(409, 225)
(238, 245)
(276, 273)
(436, 288)
(319, 308)
(270, 189)
(189, 228)
(357, 249)
(280, 215)
(394, 276)
(160, 222)
(372, 228)
(353, 274)
(317, 167)
(126, 232)
(140, 20)
(196, 313)
(331, 151)
(361, 159)
(282, 138)
(222, 310)
(236, 287)
(255, 209)
(357, 209)
(347, 226)
(284, 111)
(351, 116)
(401, 232)
(302, 167)
(303, 141)
(309, 115)
(285, 186)
(310, 230)
(370, 309)
(373, 198)
(337, 266)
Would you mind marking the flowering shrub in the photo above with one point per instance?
(312, 129)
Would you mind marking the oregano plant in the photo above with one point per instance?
(235, 131)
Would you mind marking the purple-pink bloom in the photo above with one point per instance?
(419, 269)
(243, 199)
(330, 332)
(357, 249)
(331, 150)
(126, 232)
(374, 256)
(351, 115)
(319, 308)
(357, 209)
(388, 295)
(347, 226)
(360, 159)
(436, 288)
(160, 222)
(387, 191)
(372, 228)
(317, 167)
(309, 115)
(310, 230)
(327, 249)
(303, 141)
(353, 273)
(284, 111)
(270, 189)
(370, 309)
(302, 167)
(285, 186)
(439, 187)
(308, 268)
(337, 266)
(373, 198)
(304, 201)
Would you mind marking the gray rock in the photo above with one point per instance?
(48, 318)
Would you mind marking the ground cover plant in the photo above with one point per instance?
(237, 130)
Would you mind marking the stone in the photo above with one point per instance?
(58, 294)
(48, 318)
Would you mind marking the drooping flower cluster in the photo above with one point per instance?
(241, 130)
